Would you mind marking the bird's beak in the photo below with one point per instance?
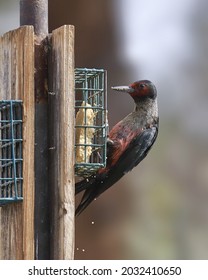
(123, 88)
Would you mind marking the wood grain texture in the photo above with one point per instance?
(61, 142)
(17, 82)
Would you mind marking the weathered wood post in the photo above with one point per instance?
(61, 142)
(17, 82)
(35, 12)
(42, 225)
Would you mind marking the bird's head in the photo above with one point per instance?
(139, 90)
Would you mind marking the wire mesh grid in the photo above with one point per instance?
(91, 120)
(11, 160)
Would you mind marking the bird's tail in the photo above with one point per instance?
(93, 187)
(86, 200)
(84, 184)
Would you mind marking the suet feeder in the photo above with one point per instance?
(91, 120)
(11, 159)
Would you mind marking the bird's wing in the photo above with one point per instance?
(135, 152)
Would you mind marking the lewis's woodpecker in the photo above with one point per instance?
(128, 143)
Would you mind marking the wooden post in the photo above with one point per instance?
(17, 82)
(35, 12)
(61, 142)
(49, 171)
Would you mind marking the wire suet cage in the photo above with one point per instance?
(11, 157)
(91, 120)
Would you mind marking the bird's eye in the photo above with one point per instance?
(142, 86)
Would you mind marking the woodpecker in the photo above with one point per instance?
(128, 143)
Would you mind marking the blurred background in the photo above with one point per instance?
(160, 209)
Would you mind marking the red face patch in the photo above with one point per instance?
(141, 89)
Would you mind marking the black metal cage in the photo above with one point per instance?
(11, 154)
(91, 120)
